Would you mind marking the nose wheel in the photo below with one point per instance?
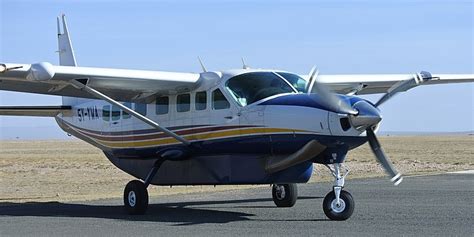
(338, 205)
(338, 211)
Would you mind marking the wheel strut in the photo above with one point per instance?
(338, 204)
(135, 196)
(153, 172)
(339, 179)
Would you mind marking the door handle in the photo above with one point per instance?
(228, 117)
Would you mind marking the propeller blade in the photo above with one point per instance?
(329, 99)
(312, 76)
(404, 86)
(396, 177)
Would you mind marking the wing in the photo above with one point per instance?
(112, 85)
(381, 83)
(120, 84)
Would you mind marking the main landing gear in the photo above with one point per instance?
(135, 195)
(338, 204)
(284, 195)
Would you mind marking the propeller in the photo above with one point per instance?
(363, 115)
(331, 100)
(382, 158)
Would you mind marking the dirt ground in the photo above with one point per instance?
(74, 170)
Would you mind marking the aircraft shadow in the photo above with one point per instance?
(178, 213)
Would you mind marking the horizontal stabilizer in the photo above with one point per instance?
(309, 151)
(39, 111)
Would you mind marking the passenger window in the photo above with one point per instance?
(106, 113)
(126, 115)
(115, 113)
(183, 102)
(201, 100)
(219, 101)
(162, 105)
(140, 108)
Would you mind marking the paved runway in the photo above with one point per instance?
(440, 205)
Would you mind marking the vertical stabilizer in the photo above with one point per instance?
(65, 50)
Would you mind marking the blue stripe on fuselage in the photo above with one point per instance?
(274, 144)
(303, 100)
(306, 100)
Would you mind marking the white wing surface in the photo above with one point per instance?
(120, 84)
(381, 83)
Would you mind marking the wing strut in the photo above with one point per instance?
(40, 111)
(81, 84)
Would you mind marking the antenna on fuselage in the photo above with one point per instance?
(202, 64)
(244, 65)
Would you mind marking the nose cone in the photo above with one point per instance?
(368, 115)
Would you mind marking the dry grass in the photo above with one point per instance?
(74, 170)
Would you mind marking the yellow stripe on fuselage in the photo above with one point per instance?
(195, 137)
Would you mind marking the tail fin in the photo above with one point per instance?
(65, 50)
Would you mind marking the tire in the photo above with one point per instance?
(135, 198)
(335, 213)
(284, 195)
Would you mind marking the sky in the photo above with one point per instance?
(340, 37)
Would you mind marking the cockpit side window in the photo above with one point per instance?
(251, 87)
(219, 101)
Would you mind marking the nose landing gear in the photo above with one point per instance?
(338, 204)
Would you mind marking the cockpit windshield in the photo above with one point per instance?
(251, 87)
(296, 81)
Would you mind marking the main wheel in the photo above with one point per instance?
(135, 197)
(338, 212)
(284, 195)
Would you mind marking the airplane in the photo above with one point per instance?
(238, 126)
